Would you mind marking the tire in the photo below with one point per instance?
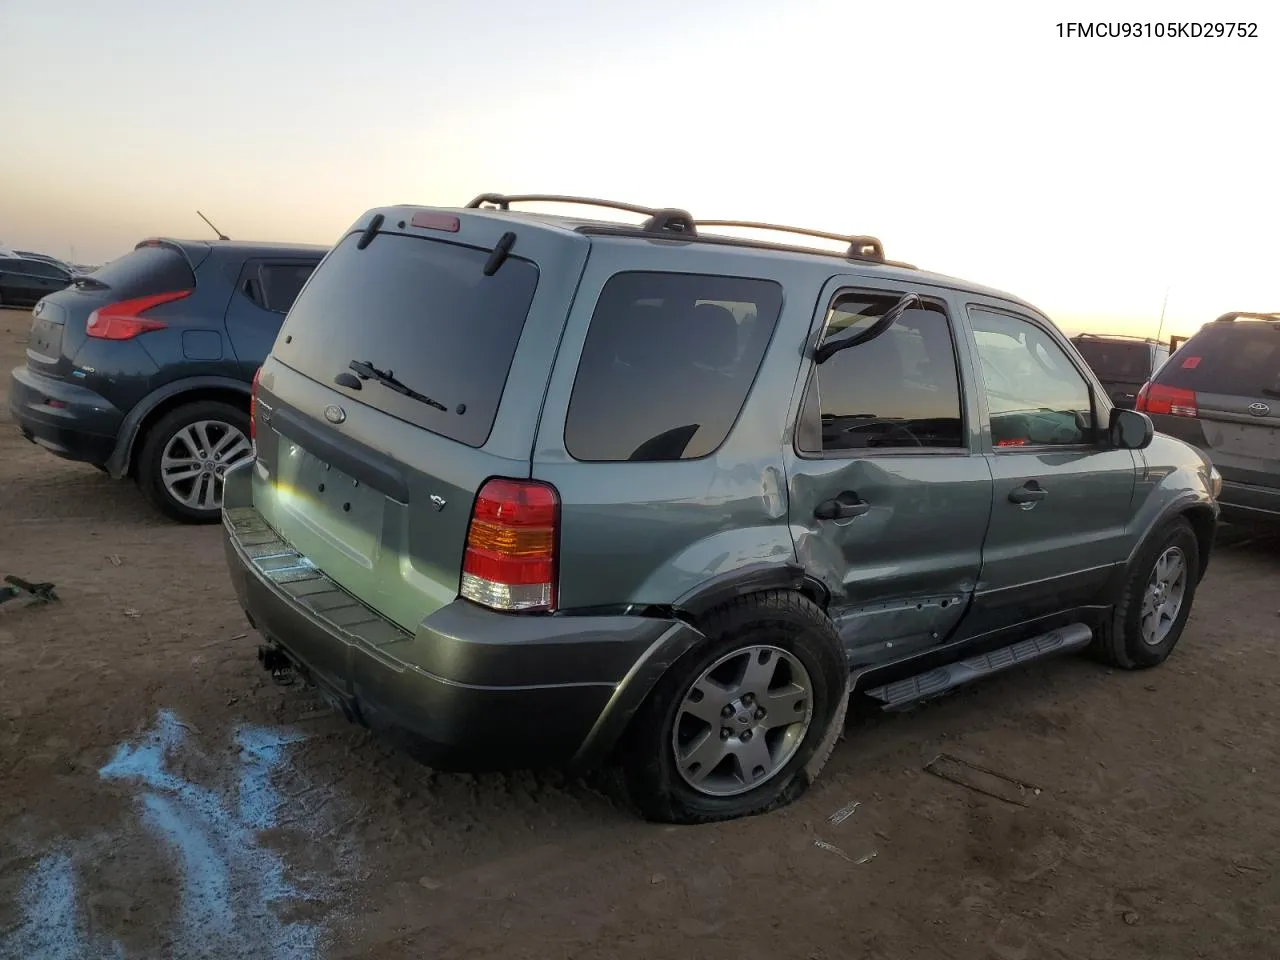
(776, 632)
(1122, 642)
(176, 438)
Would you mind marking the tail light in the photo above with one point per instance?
(510, 558)
(1175, 401)
(253, 411)
(124, 320)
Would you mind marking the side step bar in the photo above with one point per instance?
(931, 683)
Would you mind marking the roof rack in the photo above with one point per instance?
(1246, 315)
(669, 220)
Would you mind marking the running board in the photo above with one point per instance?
(931, 683)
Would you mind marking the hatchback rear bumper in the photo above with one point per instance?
(65, 418)
(472, 689)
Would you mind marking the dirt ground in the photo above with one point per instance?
(159, 796)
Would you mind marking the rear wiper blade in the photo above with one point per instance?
(1268, 392)
(367, 371)
(85, 282)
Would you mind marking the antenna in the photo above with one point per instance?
(221, 235)
(1160, 328)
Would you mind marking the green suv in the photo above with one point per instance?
(538, 490)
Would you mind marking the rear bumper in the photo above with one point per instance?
(80, 426)
(469, 689)
(1245, 504)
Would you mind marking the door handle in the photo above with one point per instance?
(844, 507)
(1030, 492)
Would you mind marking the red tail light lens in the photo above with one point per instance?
(123, 320)
(510, 558)
(1174, 401)
(253, 411)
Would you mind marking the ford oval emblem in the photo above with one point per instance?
(334, 413)
(1259, 409)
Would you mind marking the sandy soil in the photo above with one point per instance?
(159, 796)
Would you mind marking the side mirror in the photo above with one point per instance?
(1130, 430)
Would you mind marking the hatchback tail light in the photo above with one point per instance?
(1174, 401)
(510, 559)
(253, 411)
(124, 320)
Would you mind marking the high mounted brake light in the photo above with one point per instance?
(124, 320)
(510, 559)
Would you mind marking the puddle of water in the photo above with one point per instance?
(231, 887)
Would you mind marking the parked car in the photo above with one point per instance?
(537, 490)
(60, 264)
(1123, 364)
(1220, 392)
(144, 367)
(24, 281)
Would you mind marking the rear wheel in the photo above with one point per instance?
(185, 455)
(744, 724)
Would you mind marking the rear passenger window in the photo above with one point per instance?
(667, 365)
(281, 283)
(899, 391)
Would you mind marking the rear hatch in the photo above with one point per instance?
(407, 374)
(1221, 391)
(1123, 366)
(59, 321)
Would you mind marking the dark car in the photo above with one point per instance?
(545, 490)
(144, 367)
(1221, 392)
(26, 280)
(1122, 364)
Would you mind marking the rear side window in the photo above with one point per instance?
(899, 391)
(1241, 358)
(147, 270)
(422, 310)
(1115, 360)
(667, 365)
(281, 283)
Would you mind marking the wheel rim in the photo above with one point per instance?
(196, 458)
(1162, 601)
(742, 720)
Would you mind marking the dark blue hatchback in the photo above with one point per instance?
(145, 367)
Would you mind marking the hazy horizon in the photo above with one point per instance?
(1086, 176)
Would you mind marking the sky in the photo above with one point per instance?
(1088, 176)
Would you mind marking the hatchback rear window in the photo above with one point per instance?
(145, 271)
(422, 310)
(1241, 358)
(667, 365)
(1115, 360)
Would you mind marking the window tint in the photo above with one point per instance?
(281, 283)
(898, 391)
(1035, 395)
(1116, 359)
(1241, 358)
(667, 365)
(147, 270)
(424, 310)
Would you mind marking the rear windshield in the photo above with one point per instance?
(1116, 360)
(422, 310)
(667, 365)
(1241, 358)
(145, 271)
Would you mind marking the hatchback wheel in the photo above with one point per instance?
(744, 724)
(186, 454)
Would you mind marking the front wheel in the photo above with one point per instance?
(185, 455)
(744, 724)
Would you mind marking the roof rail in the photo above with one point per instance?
(860, 247)
(1115, 336)
(661, 220)
(1246, 315)
(681, 223)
